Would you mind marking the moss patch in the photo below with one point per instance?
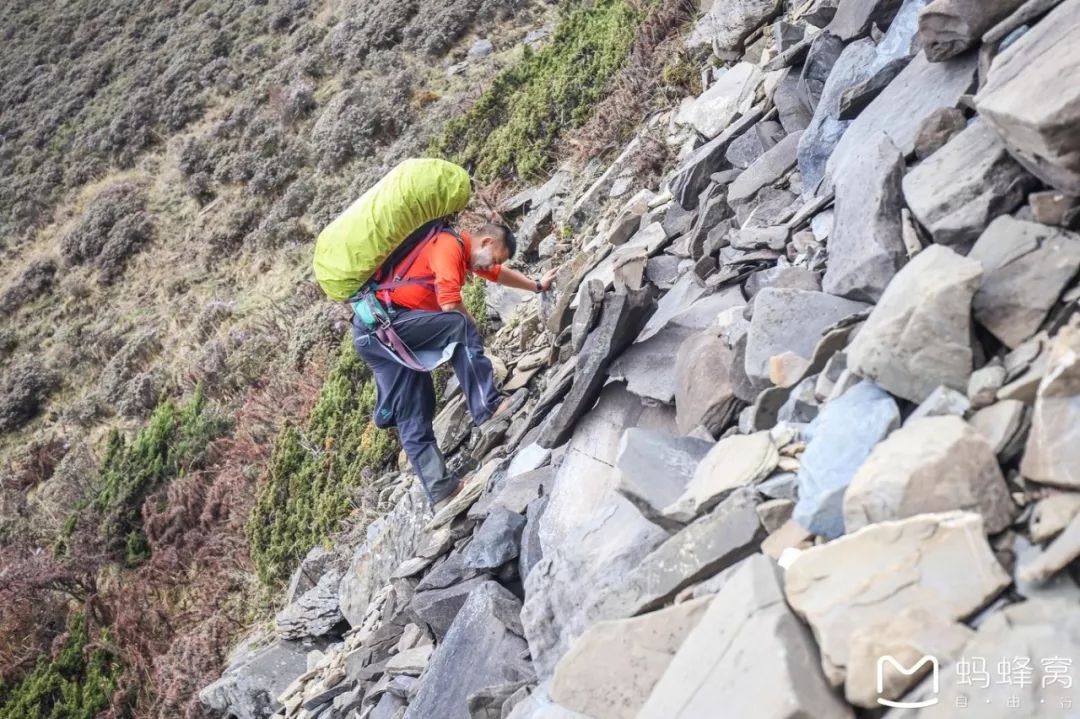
(515, 125)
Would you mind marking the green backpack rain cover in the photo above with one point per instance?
(353, 246)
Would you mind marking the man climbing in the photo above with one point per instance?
(431, 324)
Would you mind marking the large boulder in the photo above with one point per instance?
(703, 388)
(709, 545)
(934, 464)
(727, 98)
(726, 24)
(956, 191)
(748, 654)
(612, 668)
(787, 320)
(855, 17)
(922, 88)
(590, 536)
(940, 562)
(1052, 455)
(315, 613)
(655, 468)
(483, 648)
(839, 440)
(866, 246)
(918, 337)
(1031, 100)
(255, 678)
(390, 541)
(623, 316)
(1025, 268)
(737, 461)
(948, 27)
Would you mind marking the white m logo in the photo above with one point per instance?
(906, 671)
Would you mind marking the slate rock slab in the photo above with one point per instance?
(748, 654)
(654, 468)
(1052, 455)
(1039, 127)
(839, 440)
(482, 648)
(941, 562)
(1026, 267)
(919, 335)
(934, 464)
(497, 540)
(956, 191)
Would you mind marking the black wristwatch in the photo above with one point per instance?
(539, 287)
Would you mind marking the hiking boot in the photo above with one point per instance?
(445, 501)
(510, 405)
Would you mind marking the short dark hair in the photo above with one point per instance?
(503, 234)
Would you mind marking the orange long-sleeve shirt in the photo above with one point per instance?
(448, 261)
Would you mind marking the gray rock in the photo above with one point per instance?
(919, 335)
(1052, 455)
(1051, 207)
(956, 191)
(941, 402)
(748, 654)
(984, 383)
(920, 89)
(688, 290)
(821, 12)
(1052, 514)
(948, 27)
(856, 98)
(623, 316)
(825, 129)
(726, 24)
(712, 543)
(1002, 424)
(315, 613)
(613, 666)
(866, 246)
(839, 440)
(765, 170)
(662, 271)
(704, 395)
(531, 549)
(1059, 554)
(782, 277)
(1038, 629)
(515, 492)
(497, 541)
(794, 111)
(934, 464)
(628, 221)
(482, 648)
(692, 175)
(1038, 127)
(727, 98)
(646, 366)
(940, 562)
(937, 129)
(748, 147)
(481, 48)
(317, 562)
(790, 321)
(437, 608)
(853, 18)
(249, 687)
(655, 468)
(528, 458)
(452, 425)
(590, 535)
(590, 302)
(390, 540)
(821, 59)
(1026, 266)
(447, 573)
(732, 463)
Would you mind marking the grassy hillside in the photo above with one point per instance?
(180, 418)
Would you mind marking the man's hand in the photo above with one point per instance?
(549, 278)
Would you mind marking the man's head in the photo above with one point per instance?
(492, 245)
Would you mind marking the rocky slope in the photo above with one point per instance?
(811, 400)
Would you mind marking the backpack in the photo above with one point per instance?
(386, 222)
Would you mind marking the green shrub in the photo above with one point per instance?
(515, 125)
(173, 442)
(306, 491)
(76, 684)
